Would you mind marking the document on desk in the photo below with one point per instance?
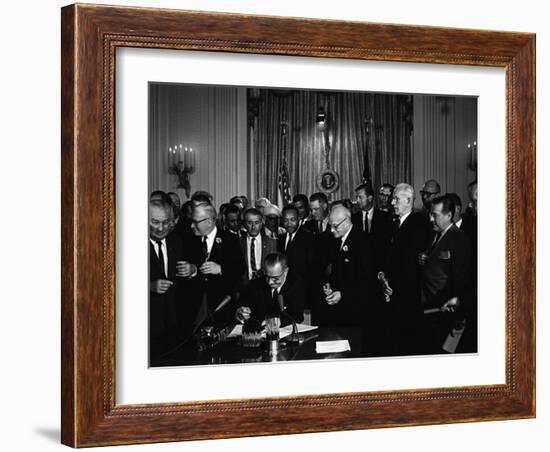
(283, 332)
(332, 346)
(301, 328)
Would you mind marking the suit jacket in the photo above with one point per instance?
(446, 273)
(170, 311)
(469, 226)
(258, 297)
(226, 252)
(380, 232)
(269, 246)
(299, 252)
(352, 273)
(400, 264)
(312, 226)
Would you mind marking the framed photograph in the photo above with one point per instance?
(272, 225)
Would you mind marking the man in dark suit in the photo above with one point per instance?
(219, 261)
(323, 244)
(301, 203)
(446, 267)
(374, 223)
(428, 192)
(255, 245)
(350, 291)
(384, 198)
(233, 223)
(296, 243)
(170, 287)
(318, 222)
(278, 292)
(400, 277)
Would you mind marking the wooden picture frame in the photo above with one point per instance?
(90, 37)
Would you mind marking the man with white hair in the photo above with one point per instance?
(399, 274)
(350, 289)
(219, 261)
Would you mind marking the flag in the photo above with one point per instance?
(283, 192)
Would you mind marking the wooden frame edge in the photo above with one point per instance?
(89, 414)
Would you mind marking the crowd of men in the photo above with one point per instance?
(406, 277)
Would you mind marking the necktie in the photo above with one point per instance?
(253, 254)
(204, 249)
(366, 222)
(288, 240)
(274, 300)
(161, 257)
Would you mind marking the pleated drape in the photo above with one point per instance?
(388, 139)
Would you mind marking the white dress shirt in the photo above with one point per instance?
(403, 218)
(289, 238)
(344, 238)
(210, 240)
(257, 254)
(164, 253)
(369, 214)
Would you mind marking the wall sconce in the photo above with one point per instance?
(472, 155)
(182, 163)
(321, 117)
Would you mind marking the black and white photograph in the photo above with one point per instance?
(296, 224)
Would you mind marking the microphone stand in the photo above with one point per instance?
(226, 300)
(294, 338)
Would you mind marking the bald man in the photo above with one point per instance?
(350, 290)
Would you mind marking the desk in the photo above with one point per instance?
(232, 352)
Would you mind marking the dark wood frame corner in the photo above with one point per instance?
(90, 36)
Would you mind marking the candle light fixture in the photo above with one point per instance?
(182, 163)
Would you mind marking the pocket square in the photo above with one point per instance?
(446, 254)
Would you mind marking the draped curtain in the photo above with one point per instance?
(211, 120)
(388, 138)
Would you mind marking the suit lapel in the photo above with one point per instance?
(245, 251)
(443, 242)
(264, 248)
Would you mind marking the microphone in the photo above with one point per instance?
(226, 300)
(222, 303)
(294, 337)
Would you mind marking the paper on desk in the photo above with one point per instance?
(283, 332)
(301, 327)
(332, 346)
(237, 331)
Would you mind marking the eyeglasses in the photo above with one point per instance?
(274, 278)
(423, 192)
(197, 222)
(337, 225)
